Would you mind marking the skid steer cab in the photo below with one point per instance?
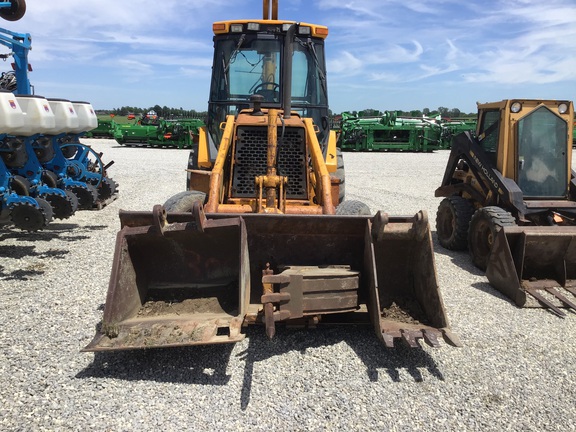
(510, 198)
(263, 235)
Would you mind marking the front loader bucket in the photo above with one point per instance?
(184, 280)
(175, 285)
(535, 266)
(405, 302)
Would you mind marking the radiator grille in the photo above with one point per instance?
(251, 148)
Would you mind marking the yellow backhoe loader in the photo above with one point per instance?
(263, 234)
(511, 200)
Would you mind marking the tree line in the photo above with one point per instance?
(167, 112)
(164, 112)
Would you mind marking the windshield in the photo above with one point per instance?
(543, 168)
(252, 63)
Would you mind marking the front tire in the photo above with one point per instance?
(184, 201)
(452, 222)
(354, 208)
(484, 225)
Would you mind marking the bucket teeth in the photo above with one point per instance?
(451, 338)
(431, 339)
(534, 293)
(562, 298)
(412, 338)
(388, 340)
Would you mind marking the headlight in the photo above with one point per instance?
(304, 30)
(516, 107)
(254, 26)
(236, 28)
(562, 108)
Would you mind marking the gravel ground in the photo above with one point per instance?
(511, 374)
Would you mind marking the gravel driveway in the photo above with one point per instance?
(513, 373)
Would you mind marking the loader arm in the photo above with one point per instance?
(492, 188)
(217, 175)
(324, 187)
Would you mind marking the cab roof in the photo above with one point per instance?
(224, 27)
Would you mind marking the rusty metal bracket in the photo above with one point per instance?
(159, 218)
(420, 225)
(199, 216)
(379, 223)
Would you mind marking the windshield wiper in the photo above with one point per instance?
(232, 57)
(310, 47)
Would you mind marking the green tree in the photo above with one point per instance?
(443, 111)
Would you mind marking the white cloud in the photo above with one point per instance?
(429, 46)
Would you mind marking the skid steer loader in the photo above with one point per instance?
(511, 200)
(261, 237)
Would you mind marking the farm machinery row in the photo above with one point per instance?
(152, 131)
(392, 132)
(45, 172)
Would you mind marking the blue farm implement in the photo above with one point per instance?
(39, 130)
(16, 207)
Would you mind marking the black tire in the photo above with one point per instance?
(73, 200)
(20, 185)
(16, 10)
(341, 175)
(27, 217)
(452, 222)
(86, 196)
(484, 225)
(47, 209)
(50, 178)
(184, 201)
(354, 208)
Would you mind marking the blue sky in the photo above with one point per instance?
(385, 55)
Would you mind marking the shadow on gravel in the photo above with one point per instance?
(460, 259)
(62, 231)
(485, 287)
(360, 338)
(36, 268)
(65, 232)
(204, 365)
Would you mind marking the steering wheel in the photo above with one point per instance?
(260, 86)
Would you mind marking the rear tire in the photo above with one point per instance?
(354, 208)
(184, 201)
(452, 222)
(484, 225)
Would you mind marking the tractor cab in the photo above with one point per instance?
(536, 144)
(279, 61)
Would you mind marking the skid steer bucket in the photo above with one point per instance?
(535, 266)
(190, 278)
